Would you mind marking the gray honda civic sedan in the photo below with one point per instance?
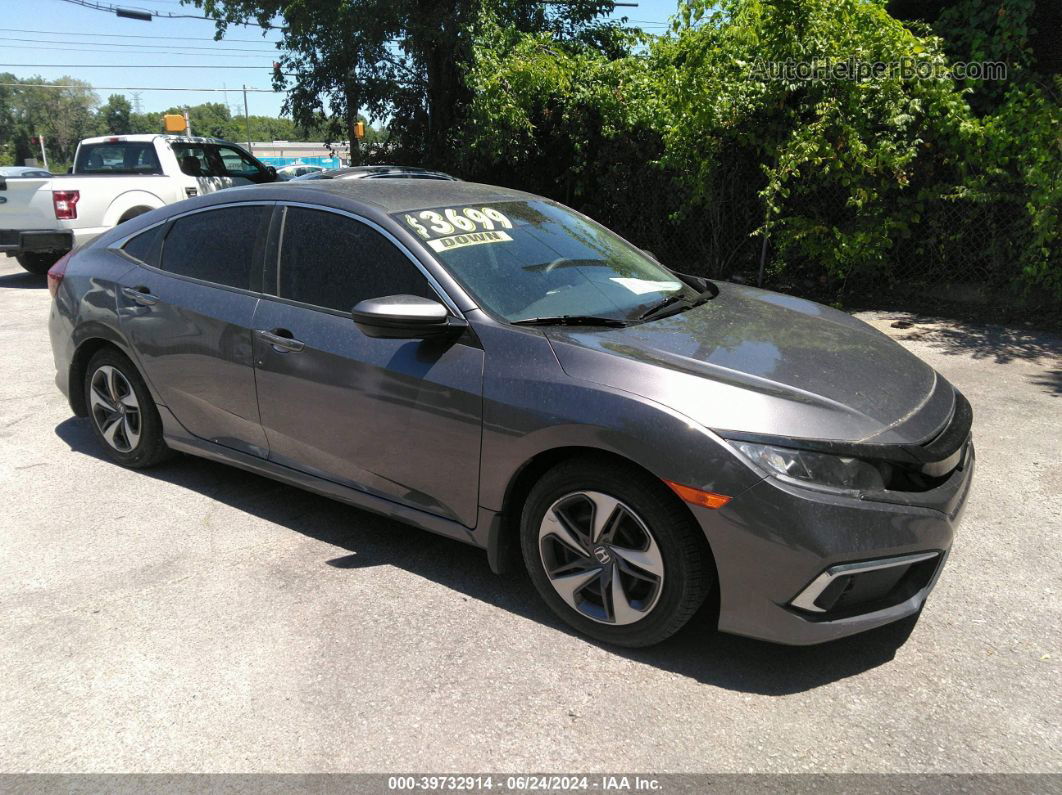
(492, 366)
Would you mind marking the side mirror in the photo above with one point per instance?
(272, 172)
(404, 317)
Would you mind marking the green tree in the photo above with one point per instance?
(211, 119)
(141, 123)
(62, 115)
(7, 119)
(398, 59)
(114, 116)
(848, 162)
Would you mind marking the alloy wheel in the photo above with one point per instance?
(601, 558)
(115, 409)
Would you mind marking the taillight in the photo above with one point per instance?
(65, 202)
(57, 272)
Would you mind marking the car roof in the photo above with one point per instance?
(388, 195)
(147, 137)
(383, 170)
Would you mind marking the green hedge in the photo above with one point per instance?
(692, 145)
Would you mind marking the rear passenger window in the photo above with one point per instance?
(334, 262)
(217, 245)
(145, 246)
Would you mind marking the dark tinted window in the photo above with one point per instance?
(216, 245)
(121, 157)
(333, 261)
(144, 246)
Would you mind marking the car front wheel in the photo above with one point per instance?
(614, 553)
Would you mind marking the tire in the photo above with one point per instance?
(647, 527)
(122, 414)
(131, 214)
(38, 262)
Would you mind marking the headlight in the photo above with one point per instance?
(826, 470)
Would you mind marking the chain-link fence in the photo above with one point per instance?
(956, 250)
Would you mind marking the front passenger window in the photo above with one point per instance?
(334, 262)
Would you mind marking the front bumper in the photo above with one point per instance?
(23, 241)
(786, 556)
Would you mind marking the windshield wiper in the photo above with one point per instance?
(678, 303)
(571, 320)
(655, 310)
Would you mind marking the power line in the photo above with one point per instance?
(154, 52)
(132, 88)
(133, 66)
(133, 36)
(141, 46)
(109, 9)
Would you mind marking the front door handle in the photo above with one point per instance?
(281, 339)
(140, 295)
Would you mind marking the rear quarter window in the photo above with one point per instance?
(145, 246)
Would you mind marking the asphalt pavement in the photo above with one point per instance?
(195, 617)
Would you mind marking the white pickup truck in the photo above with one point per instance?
(114, 178)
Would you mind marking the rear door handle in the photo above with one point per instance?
(281, 339)
(140, 295)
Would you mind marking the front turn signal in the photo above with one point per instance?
(706, 499)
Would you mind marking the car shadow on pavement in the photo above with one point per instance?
(22, 280)
(698, 651)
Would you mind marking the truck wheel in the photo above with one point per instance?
(38, 262)
(131, 214)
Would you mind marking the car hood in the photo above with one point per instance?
(759, 362)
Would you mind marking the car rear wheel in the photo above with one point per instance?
(122, 413)
(38, 262)
(614, 553)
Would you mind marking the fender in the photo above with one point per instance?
(126, 201)
(695, 456)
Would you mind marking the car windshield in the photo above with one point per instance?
(535, 259)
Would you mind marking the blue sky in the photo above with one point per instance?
(110, 52)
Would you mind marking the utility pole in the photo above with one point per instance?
(187, 124)
(44, 155)
(247, 121)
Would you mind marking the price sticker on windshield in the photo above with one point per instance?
(455, 227)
